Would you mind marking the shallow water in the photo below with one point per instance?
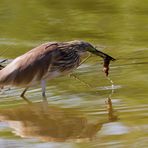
(76, 115)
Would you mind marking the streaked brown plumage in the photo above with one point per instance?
(45, 62)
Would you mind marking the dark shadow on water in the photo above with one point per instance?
(51, 123)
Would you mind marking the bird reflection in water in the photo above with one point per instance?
(50, 123)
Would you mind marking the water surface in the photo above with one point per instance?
(77, 116)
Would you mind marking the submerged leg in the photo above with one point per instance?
(22, 94)
(43, 85)
(29, 102)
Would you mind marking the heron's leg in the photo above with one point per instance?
(29, 102)
(22, 94)
(43, 85)
(45, 105)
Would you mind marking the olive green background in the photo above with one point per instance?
(117, 27)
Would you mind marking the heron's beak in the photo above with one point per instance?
(103, 55)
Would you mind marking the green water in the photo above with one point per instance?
(77, 116)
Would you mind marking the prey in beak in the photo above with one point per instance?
(107, 58)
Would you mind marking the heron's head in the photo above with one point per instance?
(85, 46)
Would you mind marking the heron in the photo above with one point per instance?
(47, 61)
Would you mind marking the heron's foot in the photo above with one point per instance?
(23, 95)
(45, 104)
(44, 94)
(44, 97)
(43, 85)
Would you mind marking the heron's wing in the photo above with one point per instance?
(28, 67)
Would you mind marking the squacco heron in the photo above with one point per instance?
(47, 61)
